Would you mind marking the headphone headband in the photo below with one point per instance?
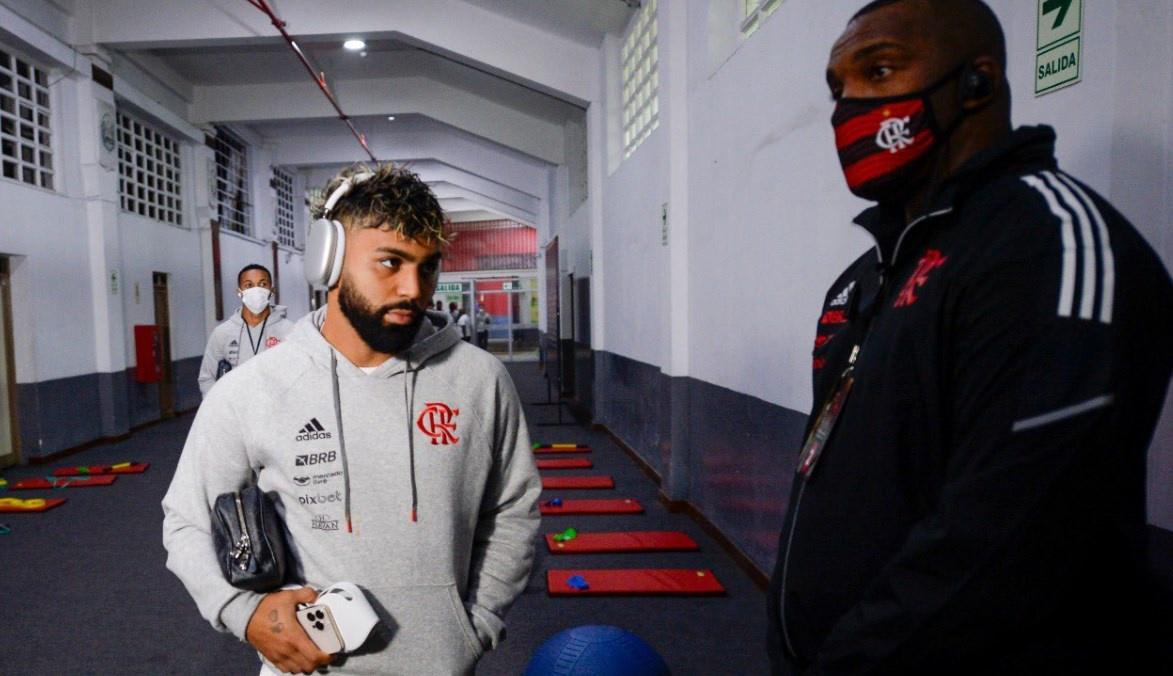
(343, 190)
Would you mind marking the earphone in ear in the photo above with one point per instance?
(326, 240)
(975, 84)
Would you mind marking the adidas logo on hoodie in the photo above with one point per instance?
(312, 430)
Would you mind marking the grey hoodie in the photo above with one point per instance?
(233, 341)
(428, 500)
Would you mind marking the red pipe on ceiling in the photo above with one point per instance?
(319, 78)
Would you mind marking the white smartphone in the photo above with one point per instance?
(319, 625)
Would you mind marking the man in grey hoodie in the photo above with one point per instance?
(255, 327)
(399, 453)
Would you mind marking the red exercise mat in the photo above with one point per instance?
(565, 463)
(636, 581)
(619, 506)
(552, 449)
(577, 482)
(631, 541)
(101, 470)
(41, 484)
(15, 505)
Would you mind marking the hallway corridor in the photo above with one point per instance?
(86, 590)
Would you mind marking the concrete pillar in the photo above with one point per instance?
(673, 17)
(92, 111)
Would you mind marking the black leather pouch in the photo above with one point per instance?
(250, 540)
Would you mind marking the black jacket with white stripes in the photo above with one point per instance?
(979, 508)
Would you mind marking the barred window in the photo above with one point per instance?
(26, 150)
(641, 78)
(755, 12)
(148, 171)
(283, 182)
(232, 181)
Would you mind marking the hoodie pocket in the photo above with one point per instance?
(462, 617)
(430, 631)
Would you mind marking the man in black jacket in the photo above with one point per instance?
(970, 498)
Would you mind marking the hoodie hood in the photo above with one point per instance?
(276, 312)
(429, 342)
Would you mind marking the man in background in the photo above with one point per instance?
(484, 320)
(257, 325)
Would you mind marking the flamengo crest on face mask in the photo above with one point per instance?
(883, 143)
(893, 135)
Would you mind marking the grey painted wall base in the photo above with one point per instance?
(632, 399)
(584, 379)
(729, 454)
(1161, 556)
(56, 415)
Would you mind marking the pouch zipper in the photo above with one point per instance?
(243, 547)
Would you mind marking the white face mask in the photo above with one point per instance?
(255, 299)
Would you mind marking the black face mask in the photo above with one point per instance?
(368, 321)
(884, 143)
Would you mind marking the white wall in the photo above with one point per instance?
(635, 299)
(53, 330)
(771, 216)
(294, 292)
(149, 247)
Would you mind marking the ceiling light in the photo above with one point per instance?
(390, 118)
(354, 44)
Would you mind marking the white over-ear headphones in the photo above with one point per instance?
(326, 241)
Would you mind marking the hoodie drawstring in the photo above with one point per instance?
(409, 401)
(341, 438)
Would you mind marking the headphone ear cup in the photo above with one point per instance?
(339, 252)
(325, 244)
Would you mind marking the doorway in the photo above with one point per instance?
(512, 307)
(163, 321)
(9, 436)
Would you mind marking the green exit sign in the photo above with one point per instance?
(1058, 45)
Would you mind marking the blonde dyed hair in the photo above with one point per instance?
(393, 198)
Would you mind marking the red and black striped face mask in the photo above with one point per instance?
(884, 142)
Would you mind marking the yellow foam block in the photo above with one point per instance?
(30, 503)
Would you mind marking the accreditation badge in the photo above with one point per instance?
(816, 441)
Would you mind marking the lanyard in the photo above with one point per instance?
(256, 348)
(820, 432)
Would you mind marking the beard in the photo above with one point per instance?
(368, 321)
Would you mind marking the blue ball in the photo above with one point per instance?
(596, 650)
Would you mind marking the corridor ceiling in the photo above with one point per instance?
(484, 92)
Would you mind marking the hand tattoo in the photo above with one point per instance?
(277, 628)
